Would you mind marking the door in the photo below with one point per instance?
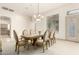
(72, 27)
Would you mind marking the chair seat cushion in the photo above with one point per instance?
(21, 43)
(40, 40)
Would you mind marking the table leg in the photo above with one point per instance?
(34, 41)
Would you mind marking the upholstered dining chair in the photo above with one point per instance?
(27, 40)
(19, 43)
(45, 41)
(24, 32)
(52, 38)
(47, 38)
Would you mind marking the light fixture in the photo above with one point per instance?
(38, 16)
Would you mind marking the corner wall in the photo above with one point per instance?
(18, 23)
(62, 14)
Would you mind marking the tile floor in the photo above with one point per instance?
(61, 47)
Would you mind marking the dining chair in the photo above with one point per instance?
(25, 33)
(52, 37)
(45, 40)
(19, 43)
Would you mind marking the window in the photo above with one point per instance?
(53, 22)
(74, 11)
(5, 26)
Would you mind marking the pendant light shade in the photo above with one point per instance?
(38, 16)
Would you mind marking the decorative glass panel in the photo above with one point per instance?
(5, 26)
(53, 22)
(74, 11)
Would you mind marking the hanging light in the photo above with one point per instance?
(38, 19)
(34, 16)
(38, 16)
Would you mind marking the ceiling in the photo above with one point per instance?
(31, 8)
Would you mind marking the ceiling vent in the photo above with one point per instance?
(8, 9)
(11, 10)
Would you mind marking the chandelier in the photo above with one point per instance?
(38, 16)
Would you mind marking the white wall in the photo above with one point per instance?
(40, 25)
(18, 22)
(62, 13)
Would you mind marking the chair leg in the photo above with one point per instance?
(46, 46)
(24, 46)
(31, 41)
(18, 50)
(51, 41)
(43, 48)
(28, 45)
(54, 40)
(15, 47)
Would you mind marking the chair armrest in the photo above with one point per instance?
(21, 39)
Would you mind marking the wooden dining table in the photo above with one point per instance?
(32, 37)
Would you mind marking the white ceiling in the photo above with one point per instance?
(31, 8)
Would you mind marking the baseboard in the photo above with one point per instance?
(67, 40)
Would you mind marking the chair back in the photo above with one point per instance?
(49, 34)
(24, 32)
(46, 35)
(15, 36)
(52, 34)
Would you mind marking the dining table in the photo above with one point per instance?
(32, 37)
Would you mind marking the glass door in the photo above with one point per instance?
(71, 28)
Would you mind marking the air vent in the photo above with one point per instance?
(11, 10)
(8, 9)
(4, 8)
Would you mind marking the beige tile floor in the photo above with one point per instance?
(61, 47)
